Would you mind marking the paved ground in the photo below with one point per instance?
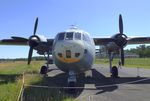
(101, 87)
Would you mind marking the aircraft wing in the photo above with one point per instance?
(134, 40)
(41, 47)
(103, 41)
(14, 41)
(139, 40)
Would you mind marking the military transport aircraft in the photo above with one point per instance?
(73, 50)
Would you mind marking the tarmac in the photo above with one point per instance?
(133, 84)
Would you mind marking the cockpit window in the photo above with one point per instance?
(69, 36)
(86, 38)
(78, 36)
(61, 36)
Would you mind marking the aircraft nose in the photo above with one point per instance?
(69, 51)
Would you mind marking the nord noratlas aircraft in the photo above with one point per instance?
(73, 50)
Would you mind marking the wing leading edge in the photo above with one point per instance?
(103, 41)
(13, 42)
(41, 47)
(134, 40)
(139, 40)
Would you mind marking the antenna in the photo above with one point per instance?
(73, 27)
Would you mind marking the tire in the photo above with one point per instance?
(43, 70)
(71, 90)
(114, 72)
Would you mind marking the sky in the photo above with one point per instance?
(98, 17)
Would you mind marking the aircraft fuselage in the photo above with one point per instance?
(73, 50)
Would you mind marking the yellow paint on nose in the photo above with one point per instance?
(68, 60)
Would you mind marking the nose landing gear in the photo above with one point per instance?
(72, 82)
(71, 88)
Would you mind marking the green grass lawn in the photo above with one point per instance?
(11, 82)
(129, 62)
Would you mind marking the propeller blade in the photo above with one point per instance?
(19, 38)
(31, 46)
(120, 24)
(30, 55)
(122, 56)
(35, 26)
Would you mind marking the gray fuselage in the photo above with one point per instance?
(73, 50)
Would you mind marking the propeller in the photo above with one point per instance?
(33, 41)
(35, 26)
(123, 38)
(120, 24)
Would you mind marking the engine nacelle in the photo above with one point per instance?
(112, 47)
(121, 39)
(42, 38)
(34, 40)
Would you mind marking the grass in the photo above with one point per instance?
(129, 62)
(18, 67)
(9, 87)
(11, 82)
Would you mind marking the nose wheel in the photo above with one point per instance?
(71, 86)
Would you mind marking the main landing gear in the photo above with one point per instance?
(114, 72)
(44, 68)
(114, 69)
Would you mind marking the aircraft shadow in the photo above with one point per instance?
(60, 80)
(102, 83)
(109, 84)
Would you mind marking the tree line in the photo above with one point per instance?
(143, 51)
(24, 59)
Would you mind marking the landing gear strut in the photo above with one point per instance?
(114, 69)
(44, 68)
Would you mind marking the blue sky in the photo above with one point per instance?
(98, 17)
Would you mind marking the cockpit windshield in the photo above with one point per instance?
(78, 36)
(69, 36)
(86, 38)
(61, 36)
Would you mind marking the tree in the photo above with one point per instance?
(142, 50)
